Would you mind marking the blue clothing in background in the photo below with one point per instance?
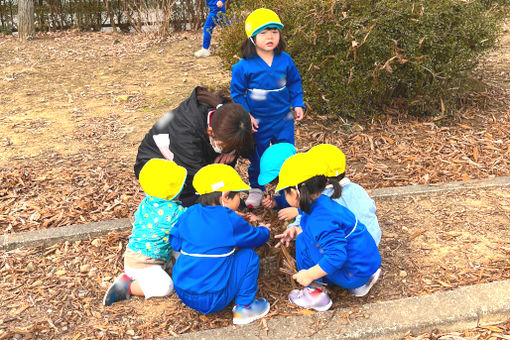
(154, 219)
(357, 200)
(334, 239)
(209, 273)
(216, 16)
(268, 93)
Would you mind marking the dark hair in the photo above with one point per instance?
(231, 124)
(314, 185)
(212, 99)
(248, 48)
(213, 198)
(335, 182)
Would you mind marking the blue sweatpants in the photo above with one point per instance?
(242, 286)
(308, 254)
(213, 18)
(271, 131)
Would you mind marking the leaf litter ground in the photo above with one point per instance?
(77, 105)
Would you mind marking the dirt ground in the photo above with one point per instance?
(74, 107)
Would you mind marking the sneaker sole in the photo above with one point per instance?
(372, 283)
(248, 320)
(109, 290)
(318, 309)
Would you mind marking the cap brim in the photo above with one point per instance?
(268, 25)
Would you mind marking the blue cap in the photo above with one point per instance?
(272, 161)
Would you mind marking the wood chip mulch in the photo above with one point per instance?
(435, 242)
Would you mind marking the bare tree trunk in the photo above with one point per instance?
(26, 27)
(110, 14)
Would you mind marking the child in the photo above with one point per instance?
(148, 251)
(331, 245)
(343, 191)
(217, 263)
(270, 164)
(216, 15)
(267, 84)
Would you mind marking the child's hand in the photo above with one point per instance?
(268, 202)
(267, 226)
(303, 277)
(248, 217)
(254, 124)
(300, 112)
(287, 214)
(219, 4)
(287, 236)
(225, 158)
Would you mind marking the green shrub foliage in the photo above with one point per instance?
(360, 56)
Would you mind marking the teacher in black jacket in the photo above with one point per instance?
(205, 128)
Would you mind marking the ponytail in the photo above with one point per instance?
(337, 188)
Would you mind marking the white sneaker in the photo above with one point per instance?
(203, 52)
(363, 290)
(254, 198)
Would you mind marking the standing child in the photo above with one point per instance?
(217, 263)
(267, 84)
(148, 252)
(331, 245)
(216, 15)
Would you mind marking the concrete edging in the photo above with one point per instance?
(83, 231)
(459, 309)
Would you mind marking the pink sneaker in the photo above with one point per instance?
(311, 298)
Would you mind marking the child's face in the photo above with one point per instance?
(231, 203)
(268, 39)
(292, 197)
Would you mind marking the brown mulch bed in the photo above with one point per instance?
(430, 243)
(55, 190)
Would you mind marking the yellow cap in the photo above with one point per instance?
(261, 19)
(332, 158)
(295, 170)
(218, 177)
(162, 178)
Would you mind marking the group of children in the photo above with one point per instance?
(334, 223)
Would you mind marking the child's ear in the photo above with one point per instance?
(209, 131)
(224, 197)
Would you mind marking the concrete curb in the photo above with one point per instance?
(76, 232)
(459, 309)
(48, 237)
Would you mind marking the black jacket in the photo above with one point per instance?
(187, 129)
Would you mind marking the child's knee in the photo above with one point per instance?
(163, 287)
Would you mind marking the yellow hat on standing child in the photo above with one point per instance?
(332, 158)
(162, 178)
(296, 169)
(261, 19)
(218, 177)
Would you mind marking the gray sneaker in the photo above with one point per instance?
(363, 290)
(118, 291)
(311, 298)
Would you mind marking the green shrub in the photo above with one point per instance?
(357, 57)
